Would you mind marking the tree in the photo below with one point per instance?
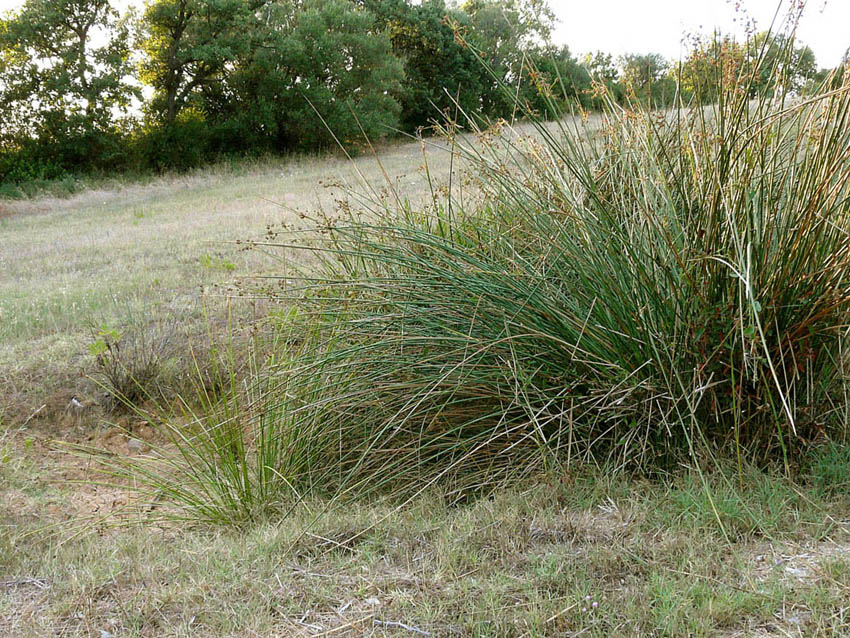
(555, 81)
(829, 79)
(646, 78)
(601, 66)
(712, 67)
(506, 32)
(188, 44)
(58, 90)
(604, 76)
(319, 60)
(764, 64)
(441, 73)
(779, 63)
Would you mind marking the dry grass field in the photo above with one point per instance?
(149, 253)
(590, 554)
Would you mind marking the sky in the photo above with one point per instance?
(657, 26)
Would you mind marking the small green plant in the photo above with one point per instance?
(5, 450)
(216, 262)
(105, 339)
(131, 362)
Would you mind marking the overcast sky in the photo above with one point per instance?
(657, 26)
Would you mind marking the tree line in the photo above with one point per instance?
(84, 88)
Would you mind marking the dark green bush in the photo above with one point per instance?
(58, 154)
(25, 163)
(181, 145)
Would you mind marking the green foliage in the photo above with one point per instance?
(25, 162)
(182, 144)
(353, 85)
(61, 95)
(104, 339)
(829, 468)
(327, 74)
(440, 72)
(634, 292)
(646, 78)
(605, 77)
(711, 66)
(504, 32)
(780, 63)
(555, 82)
(235, 77)
(457, 58)
(217, 262)
(188, 44)
(764, 65)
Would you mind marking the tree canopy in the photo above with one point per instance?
(325, 70)
(185, 81)
(57, 86)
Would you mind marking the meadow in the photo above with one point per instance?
(573, 379)
(116, 254)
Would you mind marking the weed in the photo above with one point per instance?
(131, 363)
(217, 262)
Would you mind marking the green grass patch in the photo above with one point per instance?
(632, 294)
(640, 292)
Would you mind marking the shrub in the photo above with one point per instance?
(26, 163)
(181, 145)
(630, 290)
(633, 288)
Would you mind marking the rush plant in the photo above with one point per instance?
(636, 289)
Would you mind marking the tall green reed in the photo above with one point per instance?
(632, 289)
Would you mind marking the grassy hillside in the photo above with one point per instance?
(562, 547)
(147, 257)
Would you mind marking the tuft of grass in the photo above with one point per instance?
(216, 262)
(829, 468)
(633, 293)
(759, 504)
(229, 454)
